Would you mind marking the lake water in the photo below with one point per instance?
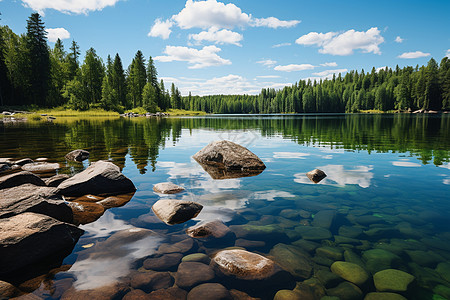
(384, 204)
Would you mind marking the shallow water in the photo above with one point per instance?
(387, 187)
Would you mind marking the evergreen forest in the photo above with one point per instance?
(33, 74)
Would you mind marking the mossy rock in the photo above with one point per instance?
(392, 280)
(350, 272)
(384, 296)
(287, 295)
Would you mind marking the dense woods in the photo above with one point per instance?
(31, 73)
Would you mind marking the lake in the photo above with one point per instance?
(384, 204)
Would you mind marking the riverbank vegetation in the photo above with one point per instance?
(33, 74)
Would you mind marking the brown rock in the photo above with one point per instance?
(239, 295)
(137, 295)
(215, 229)
(172, 293)
(209, 291)
(16, 179)
(89, 198)
(167, 188)
(151, 281)
(77, 155)
(165, 262)
(31, 198)
(100, 178)
(41, 167)
(7, 290)
(20, 235)
(247, 244)
(176, 211)
(190, 274)
(113, 291)
(54, 181)
(183, 246)
(116, 201)
(86, 212)
(316, 175)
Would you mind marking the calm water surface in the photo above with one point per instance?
(387, 189)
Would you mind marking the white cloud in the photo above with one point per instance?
(69, 6)
(298, 155)
(330, 72)
(206, 14)
(281, 45)
(161, 28)
(293, 67)
(273, 22)
(381, 68)
(344, 43)
(268, 76)
(448, 53)
(227, 85)
(223, 36)
(267, 62)
(405, 163)
(416, 54)
(398, 39)
(198, 59)
(337, 175)
(329, 64)
(54, 34)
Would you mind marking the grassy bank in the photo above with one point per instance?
(182, 112)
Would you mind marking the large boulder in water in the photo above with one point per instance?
(176, 211)
(29, 237)
(225, 159)
(77, 155)
(32, 198)
(20, 178)
(100, 178)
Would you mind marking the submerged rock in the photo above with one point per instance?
(316, 175)
(29, 237)
(384, 296)
(167, 188)
(151, 281)
(164, 262)
(292, 259)
(112, 291)
(77, 155)
(214, 229)
(16, 179)
(209, 291)
(350, 272)
(176, 211)
(100, 178)
(190, 274)
(86, 212)
(346, 291)
(392, 280)
(225, 159)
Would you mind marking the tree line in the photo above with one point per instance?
(33, 74)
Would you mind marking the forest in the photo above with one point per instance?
(34, 75)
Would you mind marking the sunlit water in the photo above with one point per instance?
(391, 167)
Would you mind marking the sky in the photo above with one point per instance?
(241, 46)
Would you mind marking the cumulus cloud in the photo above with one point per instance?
(448, 53)
(344, 43)
(198, 59)
(268, 76)
(329, 64)
(223, 36)
(416, 54)
(69, 6)
(281, 45)
(381, 68)
(273, 22)
(294, 67)
(161, 28)
(53, 34)
(231, 84)
(330, 72)
(267, 62)
(398, 39)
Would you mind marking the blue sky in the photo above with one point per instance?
(241, 46)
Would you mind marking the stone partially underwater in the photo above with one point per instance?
(225, 159)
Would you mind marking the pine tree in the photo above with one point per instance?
(137, 79)
(119, 81)
(432, 91)
(72, 59)
(92, 73)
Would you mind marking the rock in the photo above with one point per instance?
(89, 198)
(225, 159)
(316, 175)
(442, 290)
(16, 179)
(392, 280)
(136, 295)
(41, 167)
(86, 212)
(100, 178)
(77, 155)
(287, 295)
(350, 231)
(313, 233)
(384, 296)
(23, 161)
(258, 232)
(379, 259)
(209, 291)
(309, 246)
(190, 274)
(346, 291)
(165, 262)
(167, 188)
(116, 201)
(7, 290)
(151, 281)
(350, 272)
(424, 258)
(239, 295)
(247, 244)
(183, 246)
(352, 257)
(443, 269)
(176, 211)
(368, 219)
(328, 279)
(289, 213)
(4, 167)
(310, 289)
(197, 257)
(20, 235)
(324, 218)
(31, 198)
(108, 292)
(214, 229)
(330, 252)
(172, 293)
(54, 181)
(40, 159)
(292, 259)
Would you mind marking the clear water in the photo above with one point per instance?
(392, 167)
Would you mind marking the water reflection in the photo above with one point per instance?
(105, 226)
(405, 163)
